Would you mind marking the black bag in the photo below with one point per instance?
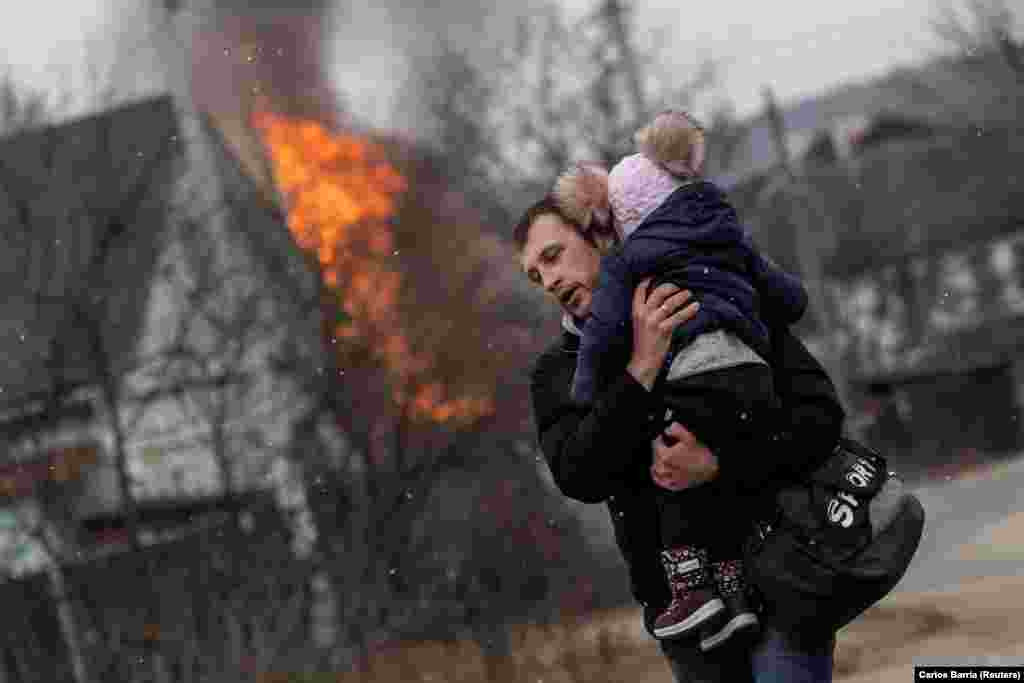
(838, 543)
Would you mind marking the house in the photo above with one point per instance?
(914, 229)
(946, 92)
(152, 297)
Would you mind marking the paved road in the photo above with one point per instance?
(963, 598)
(960, 511)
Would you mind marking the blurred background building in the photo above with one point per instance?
(914, 224)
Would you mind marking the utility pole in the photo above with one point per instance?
(810, 224)
(613, 12)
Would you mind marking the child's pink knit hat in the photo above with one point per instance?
(636, 187)
(671, 155)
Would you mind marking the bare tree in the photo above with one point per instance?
(987, 27)
(558, 91)
(51, 526)
(979, 82)
(20, 108)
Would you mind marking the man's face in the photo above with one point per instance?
(558, 259)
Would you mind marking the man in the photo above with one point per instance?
(601, 453)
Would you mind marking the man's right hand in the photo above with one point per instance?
(654, 319)
(680, 461)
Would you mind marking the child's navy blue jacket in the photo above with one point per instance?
(695, 240)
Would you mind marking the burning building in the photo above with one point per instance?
(268, 298)
(259, 72)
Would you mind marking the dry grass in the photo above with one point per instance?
(610, 647)
(984, 617)
(882, 636)
(979, 618)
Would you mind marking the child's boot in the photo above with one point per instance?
(731, 586)
(693, 599)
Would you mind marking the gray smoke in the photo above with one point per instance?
(371, 58)
(374, 54)
(379, 52)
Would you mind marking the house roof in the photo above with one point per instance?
(928, 196)
(903, 197)
(91, 191)
(941, 91)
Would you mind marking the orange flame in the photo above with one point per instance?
(341, 194)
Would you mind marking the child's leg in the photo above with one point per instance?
(725, 547)
(607, 334)
(708, 524)
(694, 603)
(603, 350)
(725, 554)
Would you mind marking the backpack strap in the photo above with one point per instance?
(854, 469)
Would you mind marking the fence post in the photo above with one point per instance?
(66, 619)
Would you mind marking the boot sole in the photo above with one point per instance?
(708, 610)
(738, 622)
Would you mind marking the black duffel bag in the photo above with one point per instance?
(838, 542)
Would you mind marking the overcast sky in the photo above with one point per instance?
(799, 46)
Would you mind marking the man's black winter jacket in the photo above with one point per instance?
(602, 452)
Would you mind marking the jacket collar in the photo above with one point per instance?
(572, 332)
(571, 325)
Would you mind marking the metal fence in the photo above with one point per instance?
(213, 606)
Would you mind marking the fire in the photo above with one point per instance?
(341, 195)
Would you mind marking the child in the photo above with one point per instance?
(676, 227)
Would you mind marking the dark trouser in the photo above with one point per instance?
(728, 663)
(773, 658)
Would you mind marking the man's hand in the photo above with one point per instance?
(654, 319)
(680, 461)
